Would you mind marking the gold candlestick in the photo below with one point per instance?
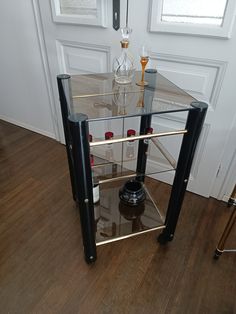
(144, 58)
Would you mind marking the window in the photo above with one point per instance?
(195, 17)
(78, 7)
(83, 12)
(194, 11)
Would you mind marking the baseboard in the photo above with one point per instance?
(28, 126)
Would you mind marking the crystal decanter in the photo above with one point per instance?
(123, 66)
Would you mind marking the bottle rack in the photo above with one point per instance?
(110, 220)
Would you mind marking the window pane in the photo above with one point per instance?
(79, 7)
(194, 11)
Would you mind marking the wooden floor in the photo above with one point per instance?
(42, 269)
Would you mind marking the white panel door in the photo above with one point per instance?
(203, 66)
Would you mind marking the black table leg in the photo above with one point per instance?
(142, 148)
(194, 125)
(63, 82)
(80, 151)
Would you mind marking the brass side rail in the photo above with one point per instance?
(132, 175)
(107, 94)
(164, 152)
(138, 137)
(118, 178)
(129, 235)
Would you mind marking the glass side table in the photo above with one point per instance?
(96, 98)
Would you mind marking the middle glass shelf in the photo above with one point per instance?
(110, 162)
(110, 172)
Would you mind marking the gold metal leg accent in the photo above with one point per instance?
(226, 233)
(221, 245)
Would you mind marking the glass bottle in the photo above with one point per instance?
(97, 215)
(109, 147)
(123, 66)
(130, 144)
(96, 192)
(91, 155)
(147, 141)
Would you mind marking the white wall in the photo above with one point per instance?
(24, 95)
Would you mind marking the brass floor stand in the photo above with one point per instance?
(221, 245)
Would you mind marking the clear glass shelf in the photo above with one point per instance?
(116, 221)
(104, 169)
(99, 97)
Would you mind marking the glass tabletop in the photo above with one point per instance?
(100, 97)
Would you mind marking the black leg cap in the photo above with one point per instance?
(217, 254)
(90, 259)
(163, 238)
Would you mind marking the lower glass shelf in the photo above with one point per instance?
(116, 221)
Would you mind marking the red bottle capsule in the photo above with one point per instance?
(149, 130)
(109, 135)
(130, 133)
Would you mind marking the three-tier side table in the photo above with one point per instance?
(94, 102)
